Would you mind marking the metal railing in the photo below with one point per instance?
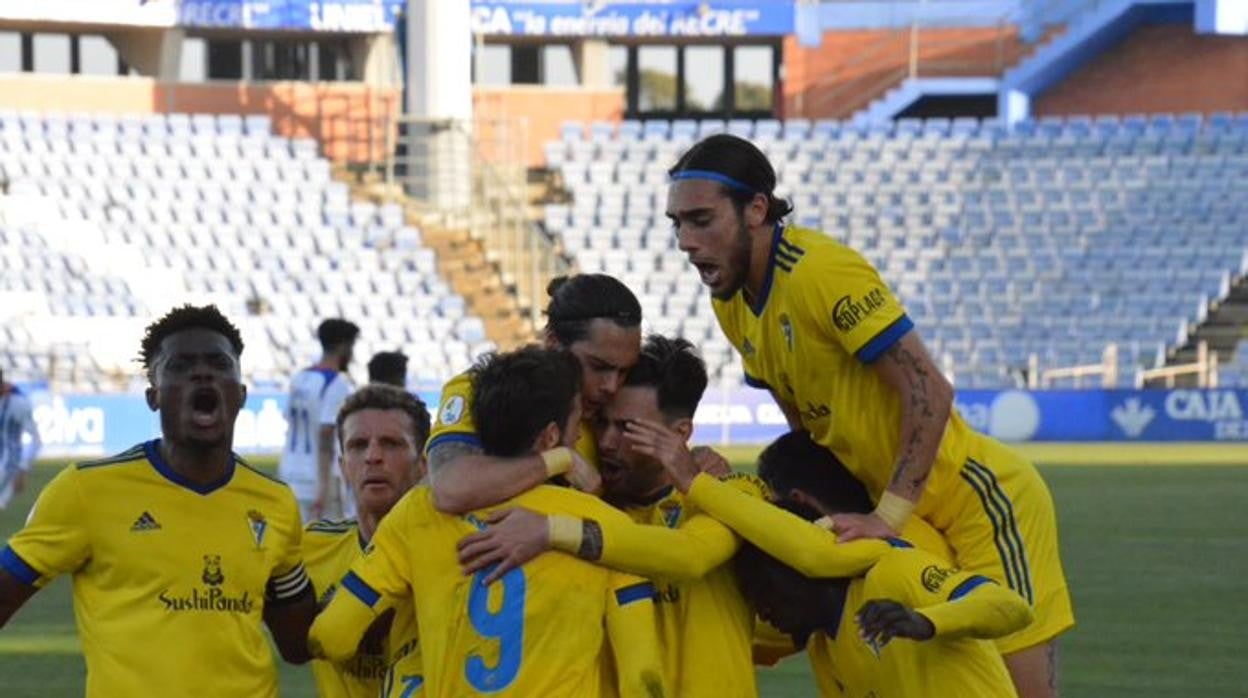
(1205, 368)
(1106, 371)
(465, 181)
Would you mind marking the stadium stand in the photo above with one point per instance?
(1053, 238)
(110, 220)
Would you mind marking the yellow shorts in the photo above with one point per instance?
(998, 517)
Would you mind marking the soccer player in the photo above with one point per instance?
(16, 418)
(382, 431)
(706, 626)
(178, 548)
(543, 629)
(389, 367)
(316, 394)
(922, 626)
(596, 318)
(815, 325)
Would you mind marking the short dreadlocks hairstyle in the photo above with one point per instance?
(187, 317)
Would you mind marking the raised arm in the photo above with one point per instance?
(926, 403)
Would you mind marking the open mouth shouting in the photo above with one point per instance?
(206, 406)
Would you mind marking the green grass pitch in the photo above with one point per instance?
(1156, 556)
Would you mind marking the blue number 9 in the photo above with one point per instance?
(507, 625)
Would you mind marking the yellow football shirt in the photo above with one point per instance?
(822, 315)
(329, 550)
(541, 630)
(956, 662)
(706, 625)
(170, 579)
(454, 421)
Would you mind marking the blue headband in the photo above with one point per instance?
(714, 177)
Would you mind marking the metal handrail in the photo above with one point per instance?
(494, 208)
(1205, 368)
(1107, 370)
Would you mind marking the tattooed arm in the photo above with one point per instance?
(926, 403)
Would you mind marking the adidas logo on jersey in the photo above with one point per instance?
(146, 522)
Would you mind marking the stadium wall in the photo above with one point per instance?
(89, 425)
(1155, 69)
(348, 119)
(539, 111)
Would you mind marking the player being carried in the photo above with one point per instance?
(815, 325)
(178, 549)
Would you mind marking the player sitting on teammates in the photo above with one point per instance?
(816, 325)
(382, 432)
(706, 626)
(178, 548)
(16, 419)
(544, 628)
(596, 318)
(316, 393)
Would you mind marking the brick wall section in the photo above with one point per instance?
(348, 119)
(852, 68)
(533, 114)
(1158, 68)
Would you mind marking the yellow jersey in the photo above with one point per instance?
(706, 625)
(965, 609)
(170, 578)
(453, 422)
(541, 630)
(329, 550)
(822, 316)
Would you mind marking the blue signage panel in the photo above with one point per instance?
(367, 16)
(93, 425)
(636, 18)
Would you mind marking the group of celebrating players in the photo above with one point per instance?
(551, 533)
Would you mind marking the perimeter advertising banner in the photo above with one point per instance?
(93, 425)
(633, 18)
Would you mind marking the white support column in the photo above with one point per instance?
(439, 91)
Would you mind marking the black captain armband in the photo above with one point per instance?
(288, 587)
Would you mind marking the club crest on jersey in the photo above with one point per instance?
(212, 576)
(452, 410)
(258, 525)
(747, 347)
(786, 329)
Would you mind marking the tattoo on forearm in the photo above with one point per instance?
(591, 541)
(442, 454)
(919, 403)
